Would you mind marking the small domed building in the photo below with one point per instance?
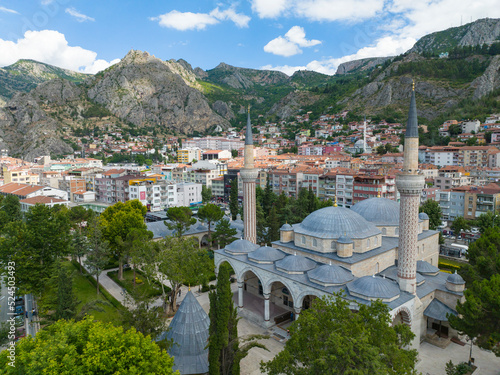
(378, 249)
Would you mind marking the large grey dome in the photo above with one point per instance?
(379, 211)
(374, 287)
(334, 222)
(240, 247)
(330, 274)
(266, 254)
(295, 264)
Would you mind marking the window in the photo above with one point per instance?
(376, 241)
(423, 248)
(334, 245)
(303, 239)
(384, 231)
(367, 244)
(396, 232)
(315, 242)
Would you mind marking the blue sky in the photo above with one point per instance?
(286, 35)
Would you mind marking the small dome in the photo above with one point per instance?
(330, 274)
(344, 239)
(240, 247)
(379, 211)
(374, 287)
(286, 227)
(426, 268)
(423, 216)
(455, 278)
(333, 222)
(295, 264)
(266, 254)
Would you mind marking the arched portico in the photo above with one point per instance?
(402, 316)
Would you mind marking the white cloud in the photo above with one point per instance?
(289, 45)
(80, 17)
(50, 47)
(297, 35)
(199, 21)
(283, 47)
(47, 2)
(269, 8)
(319, 10)
(7, 10)
(241, 20)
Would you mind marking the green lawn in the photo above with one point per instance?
(144, 287)
(86, 292)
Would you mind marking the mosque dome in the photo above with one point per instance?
(379, 211)
(286, 227)
(374, 287)
(456, 279)
(266, 254)
(426, 268)
(423, 216)
(330, 275)
(240, 247)
(335, 222)
(295, 264)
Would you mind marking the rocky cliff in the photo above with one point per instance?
(361, 65)
(147, 91)
(483, 31)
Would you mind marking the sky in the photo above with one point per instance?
(285, 35)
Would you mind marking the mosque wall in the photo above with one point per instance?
(374, 264)
(428, 249)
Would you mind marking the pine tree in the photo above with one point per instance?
(223, 233)
(261, 224)
(224, 349)
(66, 301)
(233, 198)
(273, 231)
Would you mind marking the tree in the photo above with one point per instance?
(117, 222)
(206, 194)
(79, 246)
(210, 213)
(180, 220)
(480, 313)
(98, 253)
(224, 234)
(66, 300)
(261, 225)
(273, 230)
(234, 153)
(329, 338)
(224, 351)
(233, 198)
(487, 220)
(87, 347)
(178, 260)
(460, 369)
(433, 210)
(458, 225)
(144, 317)
(10, 210)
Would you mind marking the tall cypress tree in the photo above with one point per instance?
(233, 198)
(66, 301)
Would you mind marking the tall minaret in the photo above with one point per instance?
(249, 174)
(410, 184)
(364, 137)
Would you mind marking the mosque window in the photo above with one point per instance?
(315, 242)
(376, 241)
(418, 249)
(334, 245)
(384, 231)
(423, 248)
(377, 266)
(303, 239)
(396, 232)
(367, 244)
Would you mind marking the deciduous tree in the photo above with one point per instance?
(87, 347)
(329, 338)
(433, 210)
(98, 252)
(458, 225)
(206, 194)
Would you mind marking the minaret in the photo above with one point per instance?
(410, 184)
(364, 137)
(249, 174)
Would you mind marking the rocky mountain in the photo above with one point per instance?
(483, 31)
(25, 75)
(356, 66)
(146, 91)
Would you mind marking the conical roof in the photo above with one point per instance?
(189, 334)
(248, 134)
(412, 124)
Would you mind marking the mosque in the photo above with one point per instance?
(378, 249)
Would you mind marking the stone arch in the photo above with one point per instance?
(404, 314)
(204, 240)
(308, 292)
(218, 262)
(270, 282)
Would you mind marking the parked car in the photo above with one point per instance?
(474, 230)
(19, 310)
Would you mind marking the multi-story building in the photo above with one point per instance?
(23, 191)
(204, 172)
(188, 194)
(216, 154)
(214, 143)
(114, 186)
(188, 154)
(155, 194)
(344, 187)
(481, 200)
(218, 188)
(21, 175)
(450, 177)
(327, 183)
(372, 186)
(452, 202)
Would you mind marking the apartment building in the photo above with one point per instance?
(480, 200)
(218, 188)
(372, 186)
(23, 191)
(214, 143)
(21, 175)
(113, 189)
(188, 154)
(188, 194)
(452, 203)
(344, 189)
(450, 177)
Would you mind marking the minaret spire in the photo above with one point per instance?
(410, 184)
(249, 174)
(364, 137)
